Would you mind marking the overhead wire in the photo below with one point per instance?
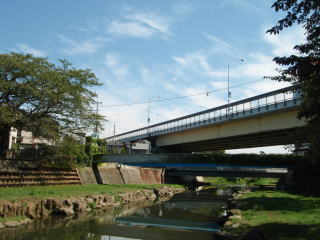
(180, 97)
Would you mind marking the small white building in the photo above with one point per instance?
(26, 139)
(142, 146)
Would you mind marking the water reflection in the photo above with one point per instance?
(187, 209)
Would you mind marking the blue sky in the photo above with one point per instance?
(143, 49)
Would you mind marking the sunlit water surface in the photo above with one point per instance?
(190, 215)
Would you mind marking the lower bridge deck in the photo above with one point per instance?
(217, 170)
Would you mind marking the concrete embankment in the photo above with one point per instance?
(39, 208)
(114, 173)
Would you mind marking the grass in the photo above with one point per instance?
(280, 215)
(38, 192)
(14, 219)
(222, 181)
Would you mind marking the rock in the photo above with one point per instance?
(235, 217)
(232, 212)
(26, 220)
(109, 200)
(228, 223)
(31, 210)
(2, 225)
(65, 211)
(90, 200)
(79, 205)
(254, 234)
(12, 224)
(236, 225)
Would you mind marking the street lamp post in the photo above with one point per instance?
(148, 120)
(148, 113)
(229, 92)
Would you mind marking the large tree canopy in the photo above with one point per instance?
(44, 98)
(303, 68)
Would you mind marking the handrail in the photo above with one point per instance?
(226, 107)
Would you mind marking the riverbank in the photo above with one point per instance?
(19, 205)
(223, 181)
(276, 215)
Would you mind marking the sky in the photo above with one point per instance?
(143, 50)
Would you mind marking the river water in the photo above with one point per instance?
(190, 215)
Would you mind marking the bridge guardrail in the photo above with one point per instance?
(267, 102)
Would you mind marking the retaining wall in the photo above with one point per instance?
(33, 177)
(87, 175)
(113, 173)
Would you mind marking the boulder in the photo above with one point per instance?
(65, 211)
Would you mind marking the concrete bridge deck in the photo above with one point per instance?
(264, 120)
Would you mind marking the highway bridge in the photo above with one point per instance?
(263, 120)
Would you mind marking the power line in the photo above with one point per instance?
(179, 97)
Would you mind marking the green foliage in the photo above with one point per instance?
(67, 153)
(47, 99)
(222, 181)
(303, 69)
(92, 204)
(95, 147)
(74, 151)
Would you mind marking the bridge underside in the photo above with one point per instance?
(227, 173)
(261, 139)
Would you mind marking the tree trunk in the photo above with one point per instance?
(4, 140)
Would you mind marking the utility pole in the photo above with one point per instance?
(97, 112)
(97, 122)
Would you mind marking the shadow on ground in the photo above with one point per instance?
(279, 231)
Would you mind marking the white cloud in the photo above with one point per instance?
(152, 20)
(82, 47)
(125, 118)
(114, 62)
(204, 101)
(132, 29)
(258, 65)
(219, 84)
(283, 43)
(218, 45)
(197, 62)
(246, 5)
(183, 8)
(260, 87)
(140, 24)
(27, 49)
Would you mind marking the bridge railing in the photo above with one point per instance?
(271, 101)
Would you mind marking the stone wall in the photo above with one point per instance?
(36, 177)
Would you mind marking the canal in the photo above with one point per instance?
(189, 215)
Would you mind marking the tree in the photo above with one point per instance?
(47, 99)
(304, 69)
